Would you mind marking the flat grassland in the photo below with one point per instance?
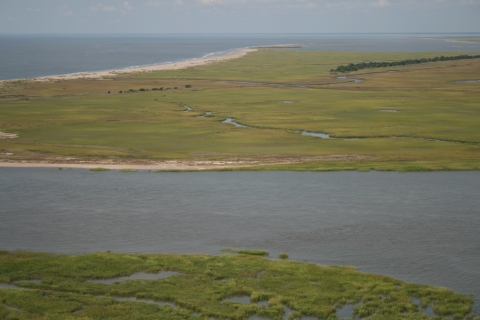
(47, 286)
(416, 117)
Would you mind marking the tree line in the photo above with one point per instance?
(366, 65)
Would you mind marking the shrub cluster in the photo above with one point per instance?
(366, 65)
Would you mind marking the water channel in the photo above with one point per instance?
(418, 227)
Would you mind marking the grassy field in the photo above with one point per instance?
(276, 94)
(200, 290)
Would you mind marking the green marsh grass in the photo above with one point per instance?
(99, 169)
(146, 125)
(203, 283)
(283, 256)
(128, 170)
(246, 251)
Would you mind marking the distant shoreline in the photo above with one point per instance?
(166, 165)
(96, 75)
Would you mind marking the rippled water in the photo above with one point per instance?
(36, 55)
(232, 121)
(419, 227)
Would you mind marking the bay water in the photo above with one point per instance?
(418, 227)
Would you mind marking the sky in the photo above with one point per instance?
(239, 16)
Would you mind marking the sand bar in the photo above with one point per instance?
(167, 165)
(171, 165)
(159, 67)
(4, 135)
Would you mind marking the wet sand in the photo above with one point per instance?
(160, 67)
(172, 165)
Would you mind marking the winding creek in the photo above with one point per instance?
(137, 276)
(350, 80)
(342, 311)
(206, 114)
(232, 121)
(323, 135)
(467, 81)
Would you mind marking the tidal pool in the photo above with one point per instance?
(12, 286)
(12, 307)
(316, 134)
(346, 312)
(150, 301)
(205, 114)
(324, 135)
(232, 121)
(428, 310)
(137, 276)
(352, 80)
(238, 299)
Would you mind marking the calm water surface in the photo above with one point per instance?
(36, 55)
(419, 227)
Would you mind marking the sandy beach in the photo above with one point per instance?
(160, 67)
(169, 165)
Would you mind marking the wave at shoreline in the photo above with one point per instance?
(213, 57)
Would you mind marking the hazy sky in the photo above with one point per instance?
(239, 16)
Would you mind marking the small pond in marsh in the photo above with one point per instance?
(238, 299)
(232, 121)
(150, 301)
(137, 276)
(316, 134)
(418, 227)
(206, 114)
(346, 312)
(324, 136)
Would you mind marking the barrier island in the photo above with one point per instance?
(265, 109)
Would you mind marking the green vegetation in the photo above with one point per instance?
(249, 252)
(369, 65)
(128, 170)
(203, 284)
(99, 169)
(436, 127)
(283, 256)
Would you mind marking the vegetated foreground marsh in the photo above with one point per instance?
(205, 287)
(129, 120)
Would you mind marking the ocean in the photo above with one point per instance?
(38, 55)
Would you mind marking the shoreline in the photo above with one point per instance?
(177, 165)
(167, 165)
(98, 75)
